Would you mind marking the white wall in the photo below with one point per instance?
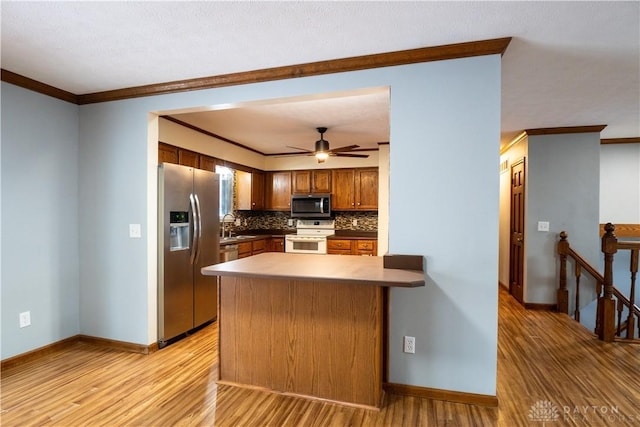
(39, 219)
(620, 183)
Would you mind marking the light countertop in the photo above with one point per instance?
(365, 270)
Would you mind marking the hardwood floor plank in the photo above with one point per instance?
(542, 357)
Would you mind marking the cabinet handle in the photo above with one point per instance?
(358, 203)
(353, 204)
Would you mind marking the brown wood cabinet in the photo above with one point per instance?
(167, 153)
(339, 247)
(188, 158)
(311, 181)
(352, 246)
(255, 247)
(278, 190)
(275, 244)
(257, 190)
(354, 189)
(207, 163)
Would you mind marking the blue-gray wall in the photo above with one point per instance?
(563, 173)
(445, 124)
(39, 219)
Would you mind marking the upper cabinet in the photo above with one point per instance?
(354, 189)
(188, 158)
(311, 181)
(167, 153)
(257, 190)
(278, 191)
(249, 190)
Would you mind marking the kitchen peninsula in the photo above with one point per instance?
(306, 325)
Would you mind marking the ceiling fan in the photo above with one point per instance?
(322, 150)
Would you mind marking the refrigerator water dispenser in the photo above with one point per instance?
(179, 231)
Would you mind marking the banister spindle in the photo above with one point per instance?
(563, 293)
(606, 304)
(578, 272)
(633, 268)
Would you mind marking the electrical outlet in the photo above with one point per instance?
(409, 344)
(290, 223)
(238, 222)
(25, 319)
(354, 222)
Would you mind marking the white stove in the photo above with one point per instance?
(311, 236)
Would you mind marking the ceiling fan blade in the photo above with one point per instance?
(345, 148)
(301, 149)
(363, 156)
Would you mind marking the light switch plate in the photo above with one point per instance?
(135, 232)
(543, 225)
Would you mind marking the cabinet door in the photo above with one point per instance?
(321, 181)
(188, 158)
(257, 190)
(279, 190)
(276, 244)
(342, 197)
(339, 246)
(366, 189)
(207, 163)
(301, 181)
(365, 247)
(167, 153)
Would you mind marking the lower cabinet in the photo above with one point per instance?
(275, 244)
(352, 246)
(255, 247)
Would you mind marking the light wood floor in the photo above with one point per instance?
(542, 357)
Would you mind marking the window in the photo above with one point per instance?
(226, 191)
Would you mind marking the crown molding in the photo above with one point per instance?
(620, 140)
(36, 86)
(567, 129)
(403, 57)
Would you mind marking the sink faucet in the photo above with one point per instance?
(222, 226)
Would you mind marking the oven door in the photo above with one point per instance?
(306, 245)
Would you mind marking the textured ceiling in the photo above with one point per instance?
(569, 63)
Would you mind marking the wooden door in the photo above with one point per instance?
(516, 254)
(366, 187)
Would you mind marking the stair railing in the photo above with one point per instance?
(606, 326)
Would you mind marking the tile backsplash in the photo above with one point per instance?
(252, 220)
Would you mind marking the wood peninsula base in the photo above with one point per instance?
(305, 334)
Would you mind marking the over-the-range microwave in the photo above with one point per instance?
(311, 205)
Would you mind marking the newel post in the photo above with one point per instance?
(563, 293)
(606, 304)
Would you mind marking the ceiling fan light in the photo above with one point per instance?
(322, 156)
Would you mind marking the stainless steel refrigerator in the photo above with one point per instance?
(188, 239)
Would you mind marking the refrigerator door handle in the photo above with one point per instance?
(199, 222)
(196, 229)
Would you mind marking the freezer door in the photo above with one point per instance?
(175, 271)
(207, 190)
